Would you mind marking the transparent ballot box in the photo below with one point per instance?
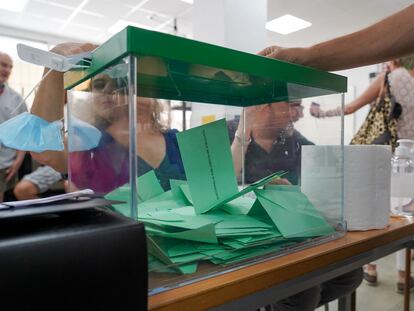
(213, 149)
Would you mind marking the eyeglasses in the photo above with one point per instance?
(110, 86)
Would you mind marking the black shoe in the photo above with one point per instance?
(371, 279)
(401, 286)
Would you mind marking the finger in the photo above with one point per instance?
(89, 47)
(9, 176)
(275, 54)
(268, 50)
(264, 52)
(284, 181)
(283, 55)
(72, 48)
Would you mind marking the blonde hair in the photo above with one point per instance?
(158, 109)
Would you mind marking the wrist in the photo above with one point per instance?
(307, 56)
(333, 112)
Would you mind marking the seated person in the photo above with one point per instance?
(106, 167)
(36, 183)
(271, 144)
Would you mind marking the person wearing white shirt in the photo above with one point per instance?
(10, 160)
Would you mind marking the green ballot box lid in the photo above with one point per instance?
(171, 67)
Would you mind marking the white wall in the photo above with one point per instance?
(237, 24)
(24, 75)
(327, 130)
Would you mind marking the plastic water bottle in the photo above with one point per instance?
(402, 182)
(409, 143)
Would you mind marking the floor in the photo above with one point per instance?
(382, 297)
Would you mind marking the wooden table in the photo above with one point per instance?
(251, 287)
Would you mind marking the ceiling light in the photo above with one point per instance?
(121, 24)
(15, 5)
(188, 1)
(287, 24)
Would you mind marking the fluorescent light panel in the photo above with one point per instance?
(121, 24)
(287, 24)
(188, 1)
(14, 6)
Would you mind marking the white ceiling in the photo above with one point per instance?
(89, 20)
(330, 18)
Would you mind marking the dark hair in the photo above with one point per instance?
(407, 62)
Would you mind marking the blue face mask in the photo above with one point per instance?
(82, 135)
(30, 133)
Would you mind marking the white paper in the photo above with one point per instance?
(55, 198)
(367, 178)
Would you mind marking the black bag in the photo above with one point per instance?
(380, 126)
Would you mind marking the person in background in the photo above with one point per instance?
(271, 143)
(36, 183)
(10, 160)
(106, 167)
(401, 73)
(401, 81)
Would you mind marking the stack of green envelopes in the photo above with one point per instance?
(207, 217)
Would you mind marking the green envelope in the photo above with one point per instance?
(186, 222)
(293, 188)
(185, 189)
(250, 188)
(241, 222)
(155, 265)
(122, 193)
(188, 268)
(208, 163)
(274, 235)
(179, 248)
(164, 202)
(187, 258)
(162, 216)
(205, 234)
(178, 194)
(239, 206)
(148, 186)
(293, 214)
(185, 211)
(257, 211)
(155, 250)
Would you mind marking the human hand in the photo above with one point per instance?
(12, 170)
(291, 55)
(73, 48)
(280, 181)
(315, 110)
